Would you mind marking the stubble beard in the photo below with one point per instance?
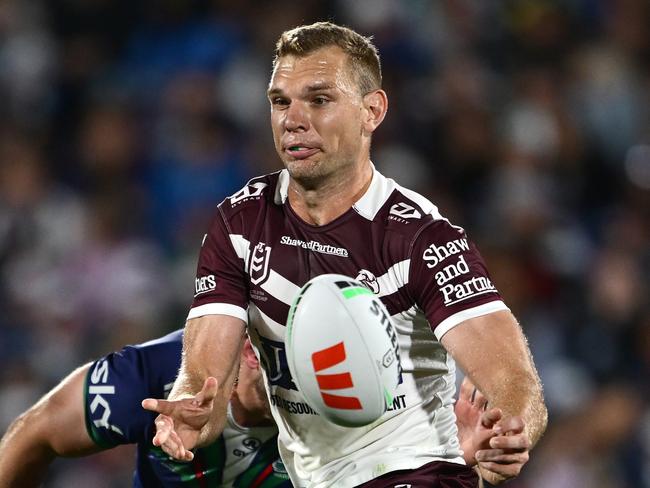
(314, 175)
(308, 174)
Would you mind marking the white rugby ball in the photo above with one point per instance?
(342, 350)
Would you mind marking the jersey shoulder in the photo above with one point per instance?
(407, 213)
(255, 195)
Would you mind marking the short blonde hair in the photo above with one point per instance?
(362, 53)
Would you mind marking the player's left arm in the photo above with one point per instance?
(493, 352)
(54, 426)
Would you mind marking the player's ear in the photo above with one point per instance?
(248, 355)
(375, 105)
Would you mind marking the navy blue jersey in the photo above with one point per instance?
(116, 385)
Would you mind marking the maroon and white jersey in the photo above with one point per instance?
(259, 253)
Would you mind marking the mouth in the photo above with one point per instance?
(300, 152)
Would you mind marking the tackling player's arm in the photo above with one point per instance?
(54, 426)
(493, 352)
(195, 413)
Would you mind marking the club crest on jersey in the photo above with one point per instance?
(249, 191)
(401, 211)
(259, 265)
(368, 280)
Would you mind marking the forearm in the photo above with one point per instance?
(210, 350)
(24, 457)
(52, 427)
(519, 393)
(493, 352)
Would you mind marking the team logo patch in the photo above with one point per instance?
(404, 211)
(259, 265)
(249, 191)
(368, 280)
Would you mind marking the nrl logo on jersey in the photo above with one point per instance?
(249, 191)
(402, 212)
(259, 264)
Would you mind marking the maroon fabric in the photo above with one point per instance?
(447, 274)
(437, 474)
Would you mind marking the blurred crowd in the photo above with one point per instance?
(123, 123)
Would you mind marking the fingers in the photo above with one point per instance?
(163, 407)
(512, 442)
(169, 441)
(512, 425)
(174, 447)
(502, 456)
(207, 393)
(164, 427)
(489, 418)
(504, 460)
(501, 470)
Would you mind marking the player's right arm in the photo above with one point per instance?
(195, 413)
(54, 426)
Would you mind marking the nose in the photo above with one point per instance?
(296, 117)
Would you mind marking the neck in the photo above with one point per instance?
(321, 204)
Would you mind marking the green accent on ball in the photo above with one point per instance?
(388, 397)
(292, 312)
(353, 292)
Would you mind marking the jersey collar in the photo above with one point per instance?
(375, 196)
(367, 206)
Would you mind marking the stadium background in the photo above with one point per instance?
(123, 123)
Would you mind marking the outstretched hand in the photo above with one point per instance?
(496, 443)
(180, 423)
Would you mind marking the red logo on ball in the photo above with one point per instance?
(325, 359)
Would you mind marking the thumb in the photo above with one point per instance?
(207, 393)
(490, 417)
(159, 406)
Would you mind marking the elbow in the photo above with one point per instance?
(25, 438)
(543, 418)
(538, 417)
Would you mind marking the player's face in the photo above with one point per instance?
(316, 115)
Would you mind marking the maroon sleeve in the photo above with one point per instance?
(220, 286)
(448, 278)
